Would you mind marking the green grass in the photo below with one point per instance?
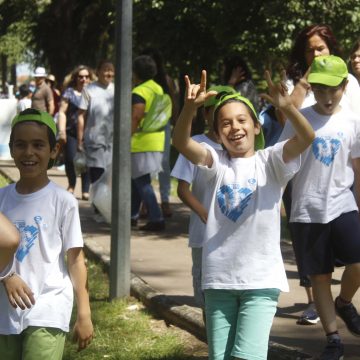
(122, 332)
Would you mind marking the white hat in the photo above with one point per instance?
(40, 72)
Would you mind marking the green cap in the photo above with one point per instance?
(213, 100)
(329, 70)
(41, 117)
(259, 139)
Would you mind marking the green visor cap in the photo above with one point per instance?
(259, 139)
(329, 70)
(43, 118)
(220, 89)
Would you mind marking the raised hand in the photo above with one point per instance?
(277, 93)
(195, 94)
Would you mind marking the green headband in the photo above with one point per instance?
(259, 139)
(42, 117)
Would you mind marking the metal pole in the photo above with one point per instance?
(121, 173)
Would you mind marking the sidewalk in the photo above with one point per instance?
(161, 278)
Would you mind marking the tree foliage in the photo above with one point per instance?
(191, 35)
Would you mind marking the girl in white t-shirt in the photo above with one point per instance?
(243, 271)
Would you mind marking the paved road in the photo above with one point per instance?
(163, 260)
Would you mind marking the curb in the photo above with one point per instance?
(183, 316)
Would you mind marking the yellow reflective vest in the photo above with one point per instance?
(145, 141)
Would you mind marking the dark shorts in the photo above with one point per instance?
(318, 246)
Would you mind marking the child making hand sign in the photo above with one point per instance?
(243, 271)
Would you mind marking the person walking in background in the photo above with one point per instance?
(67, 125)
(311, 42)
(42, 99)
(324, 219)
(243, 271)
(51, 82)
(151, 111)
(95, 120)
(236, 73)
(197, 198)
(25, 96)
(354, 65)
(48, 219)
(169, 87)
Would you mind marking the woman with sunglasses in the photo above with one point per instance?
(67, 123)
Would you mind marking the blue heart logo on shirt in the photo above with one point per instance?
(233, 200)
(325, 149)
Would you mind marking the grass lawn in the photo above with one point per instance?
(124, 329)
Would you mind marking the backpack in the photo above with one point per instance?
(158, 115)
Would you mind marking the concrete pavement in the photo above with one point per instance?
(161, 278)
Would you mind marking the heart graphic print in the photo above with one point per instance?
(325, 149)
(233, 199)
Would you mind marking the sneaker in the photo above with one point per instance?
(153, 226)
(134, 222)
(309, 316)
(350, 317)
(334, 350)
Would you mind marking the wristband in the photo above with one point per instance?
(12, 273)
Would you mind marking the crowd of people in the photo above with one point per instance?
(302, 149)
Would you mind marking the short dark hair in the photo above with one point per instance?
(144, 67)
(24, 90)
(30, 111)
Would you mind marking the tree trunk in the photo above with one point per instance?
(3, 73)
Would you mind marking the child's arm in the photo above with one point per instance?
(304, 133)
(9, 241)
(191, 201)
(195, 96)
(83, 328)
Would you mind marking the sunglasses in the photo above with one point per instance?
(83, 76)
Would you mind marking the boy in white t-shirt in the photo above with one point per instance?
(47, 218)
(324, 214)
(243, 271)
(195, 198)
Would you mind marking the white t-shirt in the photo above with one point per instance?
(242, 238)
(321, 189)
(49, 223)
(349, 100)
(187, 171)
(98, 100)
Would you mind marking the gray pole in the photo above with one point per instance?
(121, 174)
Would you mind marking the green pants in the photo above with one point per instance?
(34, 343)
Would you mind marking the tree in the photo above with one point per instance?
(69, 33)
